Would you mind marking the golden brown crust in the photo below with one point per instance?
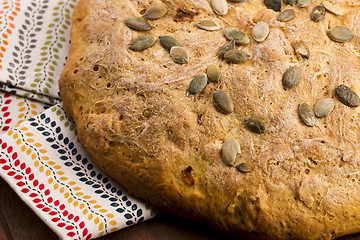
(133, 116)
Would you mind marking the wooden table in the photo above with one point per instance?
(18, 222)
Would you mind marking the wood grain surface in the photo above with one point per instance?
(19, 222)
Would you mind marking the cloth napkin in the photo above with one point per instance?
(40, 155)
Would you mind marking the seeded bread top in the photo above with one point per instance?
(134, 114)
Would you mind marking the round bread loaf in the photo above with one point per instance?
(243, 153)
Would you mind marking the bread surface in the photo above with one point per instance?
(134, 117)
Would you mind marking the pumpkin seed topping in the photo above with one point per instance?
(273, 4)
(155, 12)
(255, 124)
(318, 13)
(245, 167)
(347, 96)
(230, 151)
(333, 8)
(324, 107)
(208, 25)
(340, 34)
(213, 73)
(198, 83)
(179, 55)
(303, 3)
(301, 49)
(235, 34)
(220, 7)
(223, 102)
(286, 15)
(291, 2)
(291, 77)
(260, 31)
(143, 42)
(168, 42)
(307, 114)
(225, 48)
(138, 23)
(236, 56)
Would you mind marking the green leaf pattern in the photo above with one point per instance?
(46, 71)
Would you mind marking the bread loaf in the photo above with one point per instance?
(244, 153)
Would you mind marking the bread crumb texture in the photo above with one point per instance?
(134, 116)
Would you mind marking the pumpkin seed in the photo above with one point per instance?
(301, 49)
(220, 7)
(168, 42)
(291, 77)
(286, 15)
(260, 31)
(223, 102)
(230, 151)
(245, 167)
(235, 34)
(273, 4)
(303, 3)
(347, 96)
(143, 42)
(307, 114)
(333, 8)
(225, 48)
(179, 55)
(155, 12)
(291, 2)
(213, 73)
(318, 13)
(197, 84)
(138, 23)
(236, 56)
(255, 124)
(324, 107)
(340, 34)
(208, 25)
(237, 1)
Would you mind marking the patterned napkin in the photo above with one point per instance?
(40, 155)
